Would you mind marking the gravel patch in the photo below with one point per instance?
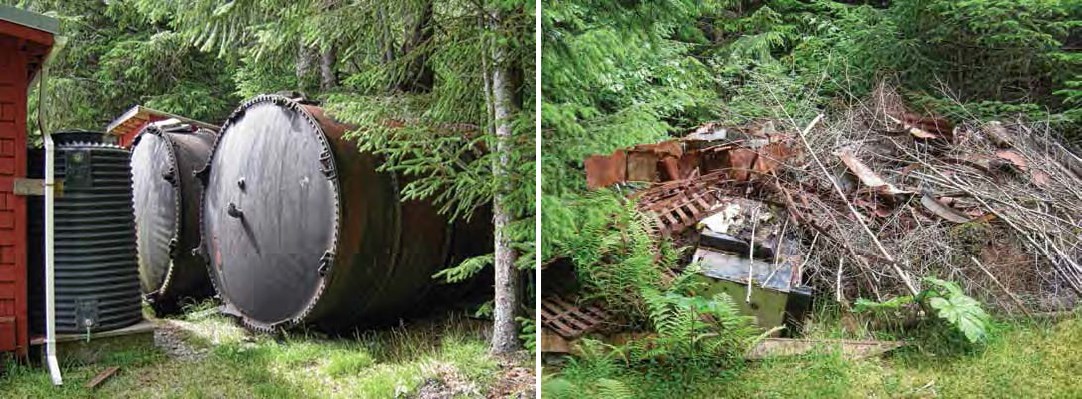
(170, 338)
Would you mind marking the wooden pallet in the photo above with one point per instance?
(568, 320)
(678, 205)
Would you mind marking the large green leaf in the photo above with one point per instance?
(964, 313)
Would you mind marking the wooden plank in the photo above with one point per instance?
(850, 349)
(552, 342)
(101, 377)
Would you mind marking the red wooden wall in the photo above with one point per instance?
(22, 51)
(13, 320)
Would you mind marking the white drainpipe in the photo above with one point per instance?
(50, 292)
(50, 194)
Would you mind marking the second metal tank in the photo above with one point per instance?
(167, 196)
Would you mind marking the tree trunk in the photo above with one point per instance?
(507, 299)
(327, 61)
(386, 42)
(419, 76)
(305, 63)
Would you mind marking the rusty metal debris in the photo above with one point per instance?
(744, 154)
(606, 170)
(569, 320)
(746, 250)
(862, 206)
(922, 127)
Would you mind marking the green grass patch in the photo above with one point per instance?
(1022, 359)
(342, 364)
(234, 364)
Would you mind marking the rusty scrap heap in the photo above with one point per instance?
(867, 201)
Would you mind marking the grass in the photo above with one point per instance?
(450, 353)
(1023, 359)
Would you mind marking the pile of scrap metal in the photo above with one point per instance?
(864, 203)
(745, 248)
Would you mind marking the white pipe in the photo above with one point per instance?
(50, 294)
(50, 192)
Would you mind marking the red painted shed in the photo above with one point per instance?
(25, 40)
(128, 125)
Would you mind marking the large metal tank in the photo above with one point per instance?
(96, 277)
(166, 200)
(299, 227)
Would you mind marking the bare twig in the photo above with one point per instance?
(848, 204)
(1002, 287)
(751, 252)
(838, 289)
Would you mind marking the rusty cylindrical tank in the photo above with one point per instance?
(166, 202)
(299, 227)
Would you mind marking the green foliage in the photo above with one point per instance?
(343, 364)
(484, 310)
(862, 305)
(615, 74)
(528, 333)
(226, 362)
(596, 388)
(950, 303)
(692, 329)
(113, 57)
(619, 262)
(593, 375)
(983, 58)
(468, 268)
(958, 309)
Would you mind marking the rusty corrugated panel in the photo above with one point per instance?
(606, 170)
(645, 162)
(746, 163)
(642, 166)
(689, 165)
(671, 148)
(681, 159)
(771, 157)
(739, 163)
